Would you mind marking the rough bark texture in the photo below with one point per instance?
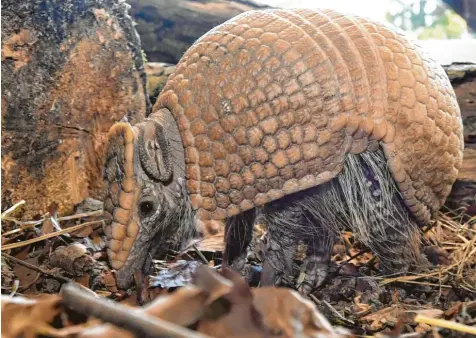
(463, 79)
(70, 69)
(169, 27)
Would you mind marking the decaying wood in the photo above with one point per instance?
(169, 27)
(69, 70)
(463, 79)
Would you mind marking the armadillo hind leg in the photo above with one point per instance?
(375, 211)
(238, 235)
(317, 226)
(363, 198)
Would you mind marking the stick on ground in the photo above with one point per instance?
(135, 321)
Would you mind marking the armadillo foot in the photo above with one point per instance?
(313, 273)
(282, 219)
(238, 235)
(278, 259)
(314, 268)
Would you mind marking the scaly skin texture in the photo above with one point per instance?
(270, 102)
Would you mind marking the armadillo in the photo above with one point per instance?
(314, 119)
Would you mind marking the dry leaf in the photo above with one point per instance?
(360, 308)
(22, 317)
(110, 281)
(381, 318)
(212, 243)
(224, 306)
(183, 307)
(26, 275)
(47, 226)
(285, 310)
(73, 258)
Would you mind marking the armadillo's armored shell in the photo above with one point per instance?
(270, 102)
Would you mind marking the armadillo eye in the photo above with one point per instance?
(146, 208)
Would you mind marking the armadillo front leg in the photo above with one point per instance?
(318, 256)
(281, 218)
(238, 235)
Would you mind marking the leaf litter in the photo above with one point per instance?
(56, 282)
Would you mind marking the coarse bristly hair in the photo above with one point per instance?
(186, 219)
(363, 198)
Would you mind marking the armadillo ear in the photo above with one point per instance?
(154, 151)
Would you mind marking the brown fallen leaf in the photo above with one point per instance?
(360, 308)
(381, 318)
(285, 310)
(458, 307)
(183, 307)
(391, 315)
(234, 314)
(263, 312)
(47, 226)
(22, 317)
(27, 276)
(109, 281)
(73, 258)
(212, 243)
(218, 305)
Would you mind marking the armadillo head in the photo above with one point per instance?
(145, 206)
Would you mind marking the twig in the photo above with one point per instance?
(467, 253)
(445, 324)
(85, 214)
(23, 226)
(427, 284)
(341, 265)
(50, 235)
(407, 278)
(135, 321)
(12, 208)
(200, 254)
(35, 268)
(333, 310)
(30, 224)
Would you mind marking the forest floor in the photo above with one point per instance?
(41, 256)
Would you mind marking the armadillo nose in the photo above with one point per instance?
(124, 278)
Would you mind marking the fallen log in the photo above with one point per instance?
(70, 69)
(169, 27)
(463, 79)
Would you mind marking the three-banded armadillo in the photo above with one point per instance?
(322, 120)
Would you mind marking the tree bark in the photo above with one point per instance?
(169, 27)
(70, 69)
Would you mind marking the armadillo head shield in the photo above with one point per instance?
(143, 200)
